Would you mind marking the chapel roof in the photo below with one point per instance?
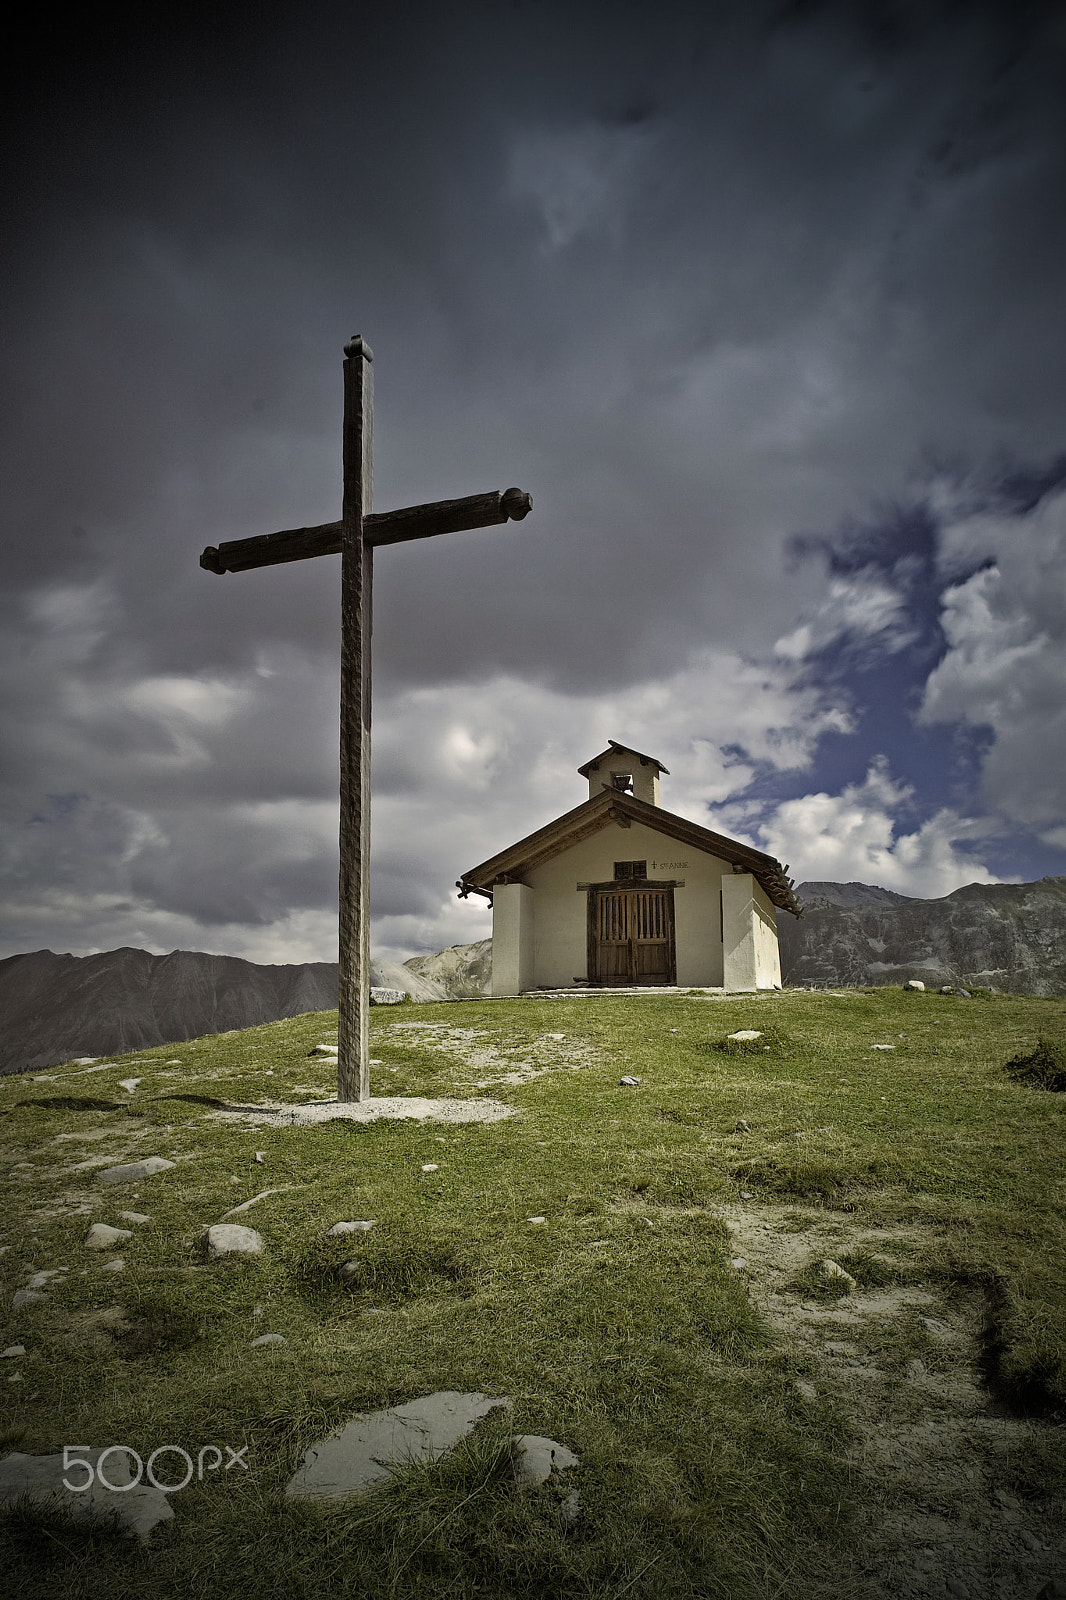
(611, 806)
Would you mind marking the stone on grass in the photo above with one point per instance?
(738, 1262)
(570, 1512)
(914, 985)
(101, 1236)
(133, 1216)
(372, 1448)
(963, 994)
(833, 1272)
(741, 1126)
(118, 1265)
(43, 1280)
(387, 997)
(133, 1171)
(807, 1390)
(229, 1238)
(347, 1271)
(26, 1297)
(40, 1478)
(12, 1351)
(129, 1084)
(535, 1458)
(269, 1338)
(745, 1035)
(323, 1050)
(628, 1082)
(348, 1227)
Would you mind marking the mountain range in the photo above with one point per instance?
(53, 1008)
(1008, 936)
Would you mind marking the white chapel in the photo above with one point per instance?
(620, 893)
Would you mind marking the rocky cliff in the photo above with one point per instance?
(1009, 936)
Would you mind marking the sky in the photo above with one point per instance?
(763, 302)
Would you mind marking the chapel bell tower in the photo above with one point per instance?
(626, 770)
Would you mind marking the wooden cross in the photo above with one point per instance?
(354, 538)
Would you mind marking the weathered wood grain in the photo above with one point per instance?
(357, 577)
(379, 528)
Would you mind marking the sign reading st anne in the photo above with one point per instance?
(354, 538)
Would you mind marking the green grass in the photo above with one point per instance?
(617, 1326)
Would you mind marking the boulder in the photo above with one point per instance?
(229, 1238)
(535, 1458)
(387, 997)
(134, 1171)
(103, 1237)
(833, 1272)
(26, 1297)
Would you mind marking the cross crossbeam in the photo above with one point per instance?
(379, 528)
(355, 538)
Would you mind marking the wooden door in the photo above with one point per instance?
(631, 936)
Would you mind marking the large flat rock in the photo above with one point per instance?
(134, 1171)
(41, 1479)
(371, 1448)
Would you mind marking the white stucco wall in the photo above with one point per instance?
(513, 919)
(767, 948)
(751, 956)
(560, 938)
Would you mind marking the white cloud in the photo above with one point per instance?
(1005, 665)
(862, 607)
(855, 837)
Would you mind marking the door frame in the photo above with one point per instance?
(625, 886)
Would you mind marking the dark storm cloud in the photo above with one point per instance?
(702, 278)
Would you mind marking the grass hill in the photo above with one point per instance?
(638, 1269)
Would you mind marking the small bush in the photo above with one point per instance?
(1042, 1068)
(157, 1322)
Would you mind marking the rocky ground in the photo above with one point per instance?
(933, 1439)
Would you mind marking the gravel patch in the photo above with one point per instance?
(414, 1107)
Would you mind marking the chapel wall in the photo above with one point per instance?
(561, 934)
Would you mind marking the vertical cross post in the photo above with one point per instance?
(354, 539)
(357, 584)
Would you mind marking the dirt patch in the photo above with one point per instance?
(903, 1361)
(476, 1050)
